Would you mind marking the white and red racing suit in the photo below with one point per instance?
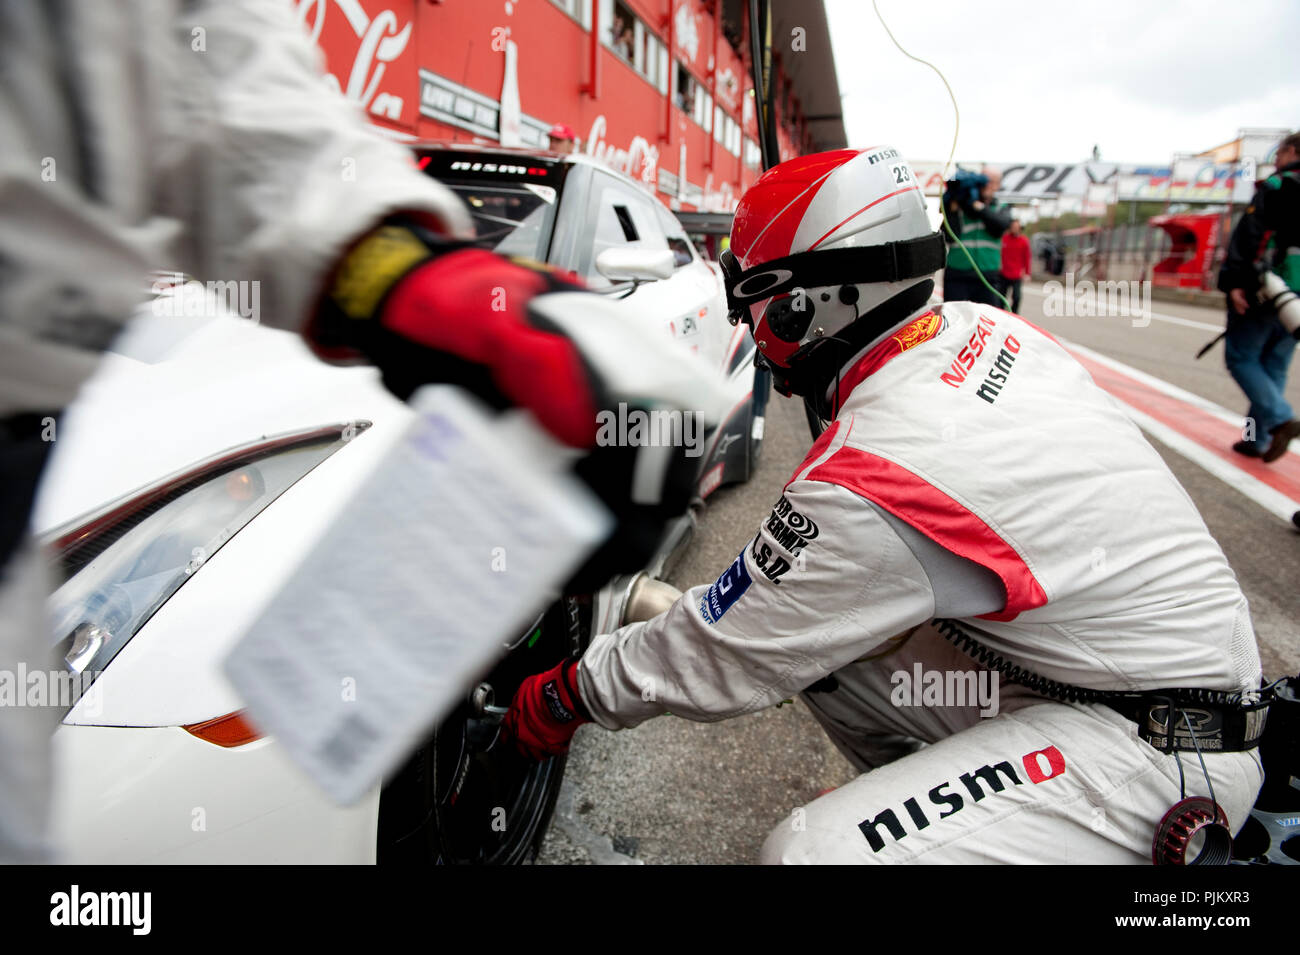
(974, 472)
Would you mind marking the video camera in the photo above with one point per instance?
(964, 188)
(1275, 294)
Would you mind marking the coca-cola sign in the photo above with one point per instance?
(369, 51)
(639, 160)
(686, 32)
(721, 199)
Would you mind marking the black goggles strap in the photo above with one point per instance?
(890, 262)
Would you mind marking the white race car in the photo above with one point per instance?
(157, 509)
(594, 223)
(188, 480)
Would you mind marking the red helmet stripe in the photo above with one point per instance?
(775, 238)
(874, 202)
(784, 235)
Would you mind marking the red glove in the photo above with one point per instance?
(423, 313)
(546, 711)
(425, 309)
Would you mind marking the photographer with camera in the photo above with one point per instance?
(1260, 275)
(979, 220)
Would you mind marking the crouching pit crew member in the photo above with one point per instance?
(976, 504)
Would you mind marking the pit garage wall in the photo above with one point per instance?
(440, 69)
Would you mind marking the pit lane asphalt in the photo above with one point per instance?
(672, 791)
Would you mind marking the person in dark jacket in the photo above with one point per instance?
(1257, 348)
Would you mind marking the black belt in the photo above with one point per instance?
(1212, 720)
(1207, 720)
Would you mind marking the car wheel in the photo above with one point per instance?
(467, 798)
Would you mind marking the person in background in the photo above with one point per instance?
(1053, 257)
(622, 38)
(1257, 349)
(1017, 262)
(979, 220)
(561, 139)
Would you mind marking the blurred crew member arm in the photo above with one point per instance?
(284, 176)
(792, 609)
(350, 242)
(198, 138)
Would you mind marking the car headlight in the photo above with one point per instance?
(121, 563)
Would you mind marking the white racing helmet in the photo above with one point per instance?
(829, 254)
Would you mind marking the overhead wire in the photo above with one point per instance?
(956, 128)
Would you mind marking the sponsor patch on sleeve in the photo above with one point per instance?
(726, 590)
(787, 529)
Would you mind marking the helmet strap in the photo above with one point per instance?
(814, 367)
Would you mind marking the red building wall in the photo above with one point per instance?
(437, 69)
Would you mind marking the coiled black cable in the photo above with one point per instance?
(1070, 693)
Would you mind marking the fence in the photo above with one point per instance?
(1131, 251)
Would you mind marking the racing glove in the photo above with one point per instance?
(426, 309)
(545, 713)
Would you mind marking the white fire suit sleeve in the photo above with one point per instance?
(197, 137)
(825, 582)
(285, 174)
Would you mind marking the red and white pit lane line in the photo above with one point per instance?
(1198, 429)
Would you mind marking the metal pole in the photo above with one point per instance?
(672, 81)
(593, 86)
(713, 82)
(760, 55)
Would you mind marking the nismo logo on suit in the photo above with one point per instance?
(1039, 767)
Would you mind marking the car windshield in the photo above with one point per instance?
(512, 219)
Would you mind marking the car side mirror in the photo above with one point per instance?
(635, 265)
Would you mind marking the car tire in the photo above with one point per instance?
(466, 797)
